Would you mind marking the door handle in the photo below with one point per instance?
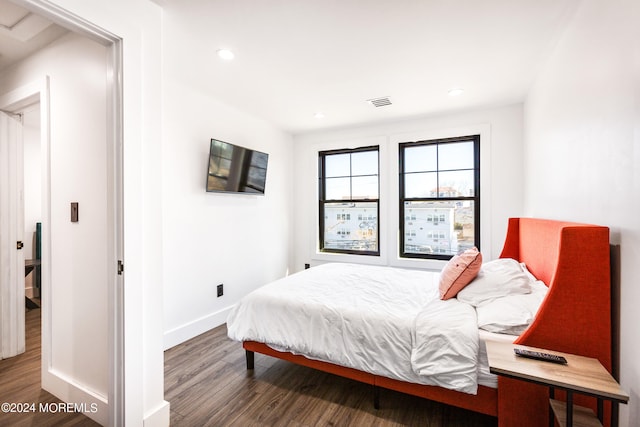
(19, 245)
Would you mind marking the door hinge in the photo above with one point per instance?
(120, 267)
(19, 245)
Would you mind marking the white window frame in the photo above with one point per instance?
(389, 194)
(383, 223)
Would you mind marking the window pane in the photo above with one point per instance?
(421, 158)
(351, 226)
(259, 159)
(458, 155)
(337, 165)
(365, 187)
(364, 163)
(219, 166)
(221, 149)
(456, 184)
(348, 223)
(443, 228)
(420, 185)
(338, 188)
(257, 170)
(256, 178)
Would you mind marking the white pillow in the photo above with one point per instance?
(498, 278)
(511, 314)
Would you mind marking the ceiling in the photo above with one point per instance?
(295, 58)
(22, 33)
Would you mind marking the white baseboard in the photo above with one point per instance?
(77, 397)
(159, 417)
(194, 328)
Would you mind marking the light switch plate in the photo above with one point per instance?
(74, 211)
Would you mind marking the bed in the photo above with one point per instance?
(574, 316)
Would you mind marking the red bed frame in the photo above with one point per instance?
(575, 317)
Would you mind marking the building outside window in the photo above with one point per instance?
(349, 201)
(439, 197)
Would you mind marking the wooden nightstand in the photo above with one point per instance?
(584, 375)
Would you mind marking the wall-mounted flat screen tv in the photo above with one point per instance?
(236, 169)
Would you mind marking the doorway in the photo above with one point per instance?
(20, 213)
(12, 337)
(59, 347)
(21, 373)
(32, 197)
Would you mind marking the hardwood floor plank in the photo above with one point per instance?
(207, 384)
(20, 383)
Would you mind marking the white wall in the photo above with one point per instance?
(78, 317)
(501, 184)
(242, 241)
(582, 149)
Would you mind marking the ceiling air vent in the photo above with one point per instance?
(380, 102)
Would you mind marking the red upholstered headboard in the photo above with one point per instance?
(575, 317)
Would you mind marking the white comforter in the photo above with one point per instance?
(382, 320)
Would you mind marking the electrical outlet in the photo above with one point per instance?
(220, 290)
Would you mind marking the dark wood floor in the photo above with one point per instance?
(207, 384)
(20, 383)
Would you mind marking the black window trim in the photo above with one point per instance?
(475, 198)
(322, 201)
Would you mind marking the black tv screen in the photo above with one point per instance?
(236, 169)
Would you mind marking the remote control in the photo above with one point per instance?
(540, 356)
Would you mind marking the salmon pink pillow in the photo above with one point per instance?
(459, 272)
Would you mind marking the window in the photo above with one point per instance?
(349, 208)
(257, 172)
(439, 197)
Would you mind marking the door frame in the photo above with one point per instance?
(115, 193)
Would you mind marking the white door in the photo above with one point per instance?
(12, 302)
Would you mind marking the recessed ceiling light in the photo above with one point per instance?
(319, 115)
(225, 54)
(456, 91)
